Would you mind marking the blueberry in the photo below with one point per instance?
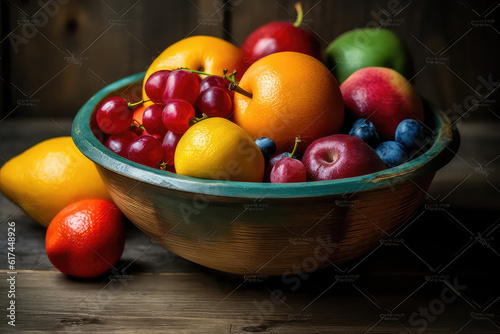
(411, 134)
(267, 147)
(392, 153)
(362, 122)
(366, 133)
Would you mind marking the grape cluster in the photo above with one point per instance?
(178, 97)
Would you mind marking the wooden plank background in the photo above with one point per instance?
(80, 46)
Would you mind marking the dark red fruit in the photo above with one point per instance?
(182, 85)
(145, 150)
(114, 115)
(169, 145)
(288, 170)
(177, 114)
(152, 121)
(272, 161)
(215, 102)
(119, 143)
(278, 37)
(215, 81)
(155, 85)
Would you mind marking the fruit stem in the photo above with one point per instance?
(162, 165)
(131, 105)
(300, 14)
(137, 124)
(231, 77)
(194, 71)
(297, 141)
(238, 89)
(195, 120)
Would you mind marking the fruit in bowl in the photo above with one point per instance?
(284, 95)
(243, 227)
(340, 156)
(218, 149)
(207, 140)
(382, 96)
(367, 47)
(185, 164)
(203, 53)
(280, 36)
(289, 94)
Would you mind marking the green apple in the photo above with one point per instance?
(367, 47)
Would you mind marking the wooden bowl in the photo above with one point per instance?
(263, 228)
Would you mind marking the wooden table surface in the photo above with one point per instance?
(437, 274)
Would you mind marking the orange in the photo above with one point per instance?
(86, 238)
(138, 113)
(292, 94)
(204, 53)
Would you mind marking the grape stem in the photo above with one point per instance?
(162, 165)
(231, 77)
(130, 105)
(195, 120)
(194, 71)
(238, 89)
(300, 14)
(297, 141)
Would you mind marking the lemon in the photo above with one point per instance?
(216, 148)
(49, 176)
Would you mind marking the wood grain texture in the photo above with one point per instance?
(199, 303)
(85, 45)
(155, 302)
(78, 47)
(3, 61)
(450, 41)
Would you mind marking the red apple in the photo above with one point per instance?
(340, 156)
(383, 96)
(277, 37)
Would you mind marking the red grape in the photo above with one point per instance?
(215, 102)
(114, 115)
(145, 150)
(169, 144)
(288, 170)
(176, 115)
(119, 143)
(152, 122)
(273, 161)
(137, 130)
(181, 84)
(101, 136)
(155, 85)
(215, 81)
(158, 137)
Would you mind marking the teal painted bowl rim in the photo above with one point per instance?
(445, 144)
